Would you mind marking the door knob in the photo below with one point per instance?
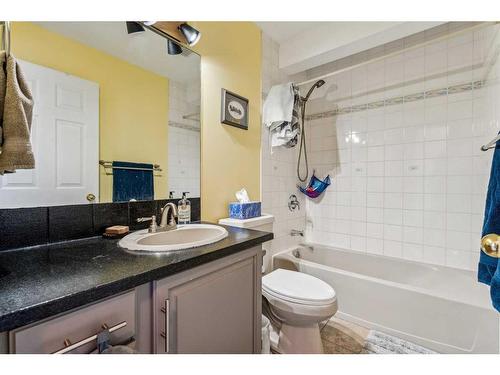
(490, 245)
(90, 197)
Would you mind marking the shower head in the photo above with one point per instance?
(318, 83)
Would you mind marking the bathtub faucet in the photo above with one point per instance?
(295, 232)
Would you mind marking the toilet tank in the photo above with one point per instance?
(264, 223)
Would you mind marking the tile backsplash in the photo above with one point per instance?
(409, 179)
(22, 227)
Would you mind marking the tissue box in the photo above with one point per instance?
(248, 210)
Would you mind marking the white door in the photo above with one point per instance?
(65, 139)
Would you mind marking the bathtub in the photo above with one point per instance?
(441, 308)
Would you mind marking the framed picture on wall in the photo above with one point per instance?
(234, 110)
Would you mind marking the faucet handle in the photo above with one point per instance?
(143, 219)
(153, 227)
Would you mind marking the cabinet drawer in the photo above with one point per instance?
(50, 336)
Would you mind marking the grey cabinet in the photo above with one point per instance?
(214, 308)
(74, 328)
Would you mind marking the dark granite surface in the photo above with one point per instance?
(42, 281)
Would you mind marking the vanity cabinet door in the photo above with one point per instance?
(215, 311)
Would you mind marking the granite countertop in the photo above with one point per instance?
(42, 281)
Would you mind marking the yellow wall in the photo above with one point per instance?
(133, 102)
(230, 157)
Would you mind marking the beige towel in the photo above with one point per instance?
(17, 116)
(3, 83)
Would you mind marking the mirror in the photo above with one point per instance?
(104, 97)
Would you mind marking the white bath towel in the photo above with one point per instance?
(280, 115)
(278, 106)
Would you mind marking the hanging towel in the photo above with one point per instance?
(17, 116)
(281, 115)
(3, 84)
(488, 270)
(131, 183)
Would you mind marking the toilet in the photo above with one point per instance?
(299, 302)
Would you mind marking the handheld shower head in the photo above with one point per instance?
(318, 83)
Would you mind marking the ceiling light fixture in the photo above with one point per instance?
(190, 33)
(173, 48)
(134, 27)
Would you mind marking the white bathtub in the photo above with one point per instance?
(441, 308)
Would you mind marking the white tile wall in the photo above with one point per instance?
(409, 180)
(279, 169)
(183, 161)
(184, 144)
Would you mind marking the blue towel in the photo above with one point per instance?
(132, 184)
(488, 270)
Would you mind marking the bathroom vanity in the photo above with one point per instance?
(56, 298)
(100, 162)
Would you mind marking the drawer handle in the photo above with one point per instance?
(68, 346)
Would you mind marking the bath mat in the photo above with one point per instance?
(381, 343)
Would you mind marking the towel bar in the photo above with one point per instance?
(109, 165)
(491, 144)
(68, 346)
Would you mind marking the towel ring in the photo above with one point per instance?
(490, 245)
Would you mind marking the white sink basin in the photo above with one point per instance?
(184, 237)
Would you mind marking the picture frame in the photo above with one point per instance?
(234, 109)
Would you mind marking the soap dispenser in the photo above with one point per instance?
(184, 209)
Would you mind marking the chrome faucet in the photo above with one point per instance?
(168, 219)
(168, 222)
(295, 232)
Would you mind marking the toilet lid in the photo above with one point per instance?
(298, 287)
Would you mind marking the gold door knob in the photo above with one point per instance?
(90, 197)
(490, 244)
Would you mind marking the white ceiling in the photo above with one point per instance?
(305, 45)
(147, 50)
(282, 31)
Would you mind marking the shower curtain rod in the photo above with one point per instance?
(395, 53)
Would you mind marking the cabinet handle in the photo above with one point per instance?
(68, 346)
(166, 334)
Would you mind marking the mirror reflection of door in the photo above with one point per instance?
(65, 141)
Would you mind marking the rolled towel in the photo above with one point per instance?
(17, 117)
(119, 349)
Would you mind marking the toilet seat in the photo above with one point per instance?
(298, 288)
